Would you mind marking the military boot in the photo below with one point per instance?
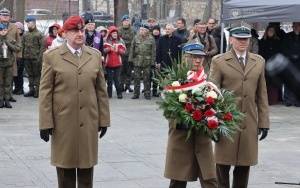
(1, 103)
(128, 88)
(36, 94)
(30, 93)
(119, 93)
(155, 94)
(11, 99)
(7, 104)
(20, 91)
(109, 91)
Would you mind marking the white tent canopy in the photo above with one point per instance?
(261, 11)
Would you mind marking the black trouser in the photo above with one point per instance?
(67, 177)
(18, 80)
(240, 176)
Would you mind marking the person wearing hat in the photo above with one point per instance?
(34, 45)
(73, 106)
(188, 160)
(12, 31)
(7, 57)
(151, 23)
(52, 34)
(242, 72)
(143, 55)
(93, 38)
(59, 40)
(102, 30)
(127, 33)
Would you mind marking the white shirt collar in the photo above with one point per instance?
(73, 50)
(244, 56)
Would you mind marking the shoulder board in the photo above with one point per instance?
(94, 49)
(258, 56)
(50, 50)
(218, 56)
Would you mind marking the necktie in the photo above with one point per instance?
(241, 60)
(76, 53)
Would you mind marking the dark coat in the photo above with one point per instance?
(269, 47)
(183, 35)
(291, 48)
(249, 87)
(165, 45)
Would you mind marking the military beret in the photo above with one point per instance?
(3, 26)
(30, 19)
(89, 21)
(125, 17)
(144, 25)
(74, 22)
(194, 48)
(5, 12)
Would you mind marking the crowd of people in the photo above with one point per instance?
(81, 60)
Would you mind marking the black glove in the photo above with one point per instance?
(216, 137)
(152, 66)
(45, 134)
(264, 132)
(181, 126)
(102, 131)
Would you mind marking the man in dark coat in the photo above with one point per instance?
(92, 37)
(181, 32)
(168, 48)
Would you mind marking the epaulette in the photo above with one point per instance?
(91, 48)
(50, 50)
(218, 56)
(258, 56)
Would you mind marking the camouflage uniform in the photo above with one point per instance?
(34, 45)
(143, 55)
(127, 35)
(6, 66)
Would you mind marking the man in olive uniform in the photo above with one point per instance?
(127, 33)
(242, 72)
(143, 56)
(34, 45)
(12, 31)
(9, 46)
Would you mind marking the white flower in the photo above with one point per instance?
(182, 97)
(175, 83)
(212, 94)
(212, 118)
(195, 90)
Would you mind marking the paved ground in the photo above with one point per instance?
(132, 153)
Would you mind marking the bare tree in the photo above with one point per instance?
(20, 10)
(121, 8)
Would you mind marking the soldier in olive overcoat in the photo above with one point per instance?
(243, 73)
(73, 106)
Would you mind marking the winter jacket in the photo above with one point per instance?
(112, 58)
(51, 36)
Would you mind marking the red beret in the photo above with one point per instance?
(74, 22)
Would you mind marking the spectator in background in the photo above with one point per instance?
(217, 34)
(156, 34)
(181, 32)
(59, 40)
(136, 22)
(196, 22)
(114, 47)
(151, 24)
(269, 45)
(193, 31)
(102, 30)
(210, 26)
(291, 49)
(18, 80)
(65, 15)
(92, 37)
(52, 33)
(253, 45)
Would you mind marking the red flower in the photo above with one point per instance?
(197, 115)
(212, 124)
(210, 100)
(209, 113)
(228, 116)
(188, 107)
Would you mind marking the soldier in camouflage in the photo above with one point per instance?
(143, 56)
(8, 47)
(34, 45)
(126, 33)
